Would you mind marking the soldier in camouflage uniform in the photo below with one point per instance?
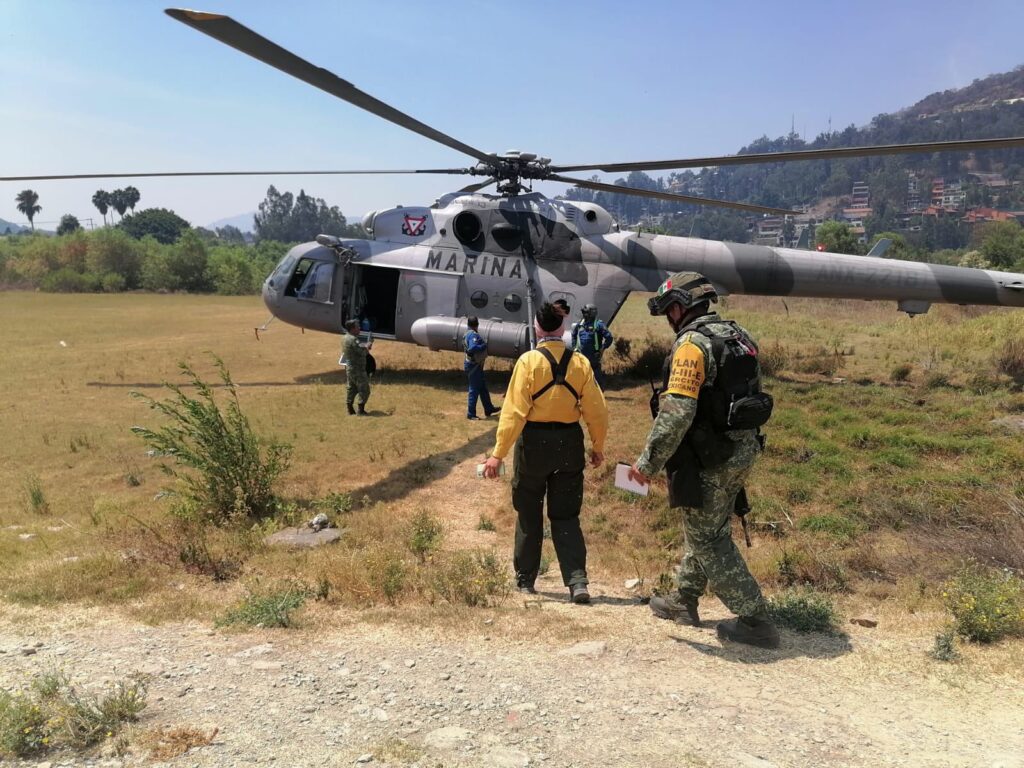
(707, 466)
(355, 353)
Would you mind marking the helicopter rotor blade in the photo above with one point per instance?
(478, 186)
(804, 154)
(228, 31)
(688, 199)
(459, 171)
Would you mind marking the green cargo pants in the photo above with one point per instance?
(710, 555)
(549, 461)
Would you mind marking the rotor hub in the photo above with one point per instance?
(511, 168)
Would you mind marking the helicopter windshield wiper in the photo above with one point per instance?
(230, 32)
(803, 154)
(671, 196)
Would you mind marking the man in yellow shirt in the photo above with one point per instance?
(551, 389)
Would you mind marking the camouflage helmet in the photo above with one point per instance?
(686, 288)
(589, 311)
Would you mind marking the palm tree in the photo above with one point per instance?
(132, 196)
(102, 202)
(26, 201)
(119, 201)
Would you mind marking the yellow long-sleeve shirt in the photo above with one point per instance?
(531, 373)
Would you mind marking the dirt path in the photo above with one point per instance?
(535, 682)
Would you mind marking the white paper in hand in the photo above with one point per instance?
(622, 480)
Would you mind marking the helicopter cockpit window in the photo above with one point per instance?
(312, 281)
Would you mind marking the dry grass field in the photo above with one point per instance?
(877, 484)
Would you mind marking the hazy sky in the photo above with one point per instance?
(119, 86)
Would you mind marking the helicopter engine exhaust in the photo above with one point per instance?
(440, 332)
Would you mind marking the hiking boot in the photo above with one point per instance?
(579, 594)
(681, 610)
(759, 631)
(351, 409)
(524, 584)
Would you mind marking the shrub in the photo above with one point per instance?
(486, 524)
(22, 725)
(945, 646)
(67, 280)
(822, 364)
(901, 372)
(51, 713)
(35, 496)
(774, 359)
(987, 605)
(648, 364)
(937, 381)
(470, 578)
(334, 503)
(1010, 360)
(804, 610)
(223, 468)
(425, 534)
(272, 608)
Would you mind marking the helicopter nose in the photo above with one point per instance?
(270, 296)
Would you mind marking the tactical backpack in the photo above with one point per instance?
(735, 399)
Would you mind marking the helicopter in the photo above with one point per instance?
(422, 270)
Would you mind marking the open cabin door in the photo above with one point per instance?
(423, 293)
(372, 297)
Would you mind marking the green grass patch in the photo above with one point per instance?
(836, 526)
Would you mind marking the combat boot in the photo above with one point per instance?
(579, 594)
(351, 409)
(677, 608)
(362, 409)
(755, 630)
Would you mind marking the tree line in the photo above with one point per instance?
(155, 249)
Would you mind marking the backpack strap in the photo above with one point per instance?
(558, 373)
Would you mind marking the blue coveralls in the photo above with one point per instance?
(473, 343)
(591, 339)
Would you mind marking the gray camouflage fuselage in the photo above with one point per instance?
(425, 270)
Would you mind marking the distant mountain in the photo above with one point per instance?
(244, 222)
(15, 228)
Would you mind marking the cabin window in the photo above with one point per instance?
(478, 299)
(513, 303)
(417, 292)
(312, 281)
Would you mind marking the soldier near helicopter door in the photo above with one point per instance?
(706, 436)
(356, 354)
(591, 337)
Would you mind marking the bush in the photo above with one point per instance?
(468, 578)
(987, 605)
(224, 470)
(937, 381)
(273, 608)
(67, 280)
(113, 283)
(773, 359)
(425, 534)
(945, 646)
(822, 364)
(1010, 360)
(804, 610)
(486, 524)
(901, 372)
(649, 363)
(53, 714)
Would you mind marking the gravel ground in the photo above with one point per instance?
(545, 684)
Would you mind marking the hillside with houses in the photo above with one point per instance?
(933, 201)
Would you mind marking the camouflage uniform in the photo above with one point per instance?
(358, 380)
(710, 555)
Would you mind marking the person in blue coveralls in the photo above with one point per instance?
(591, 337)
(476, 355)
